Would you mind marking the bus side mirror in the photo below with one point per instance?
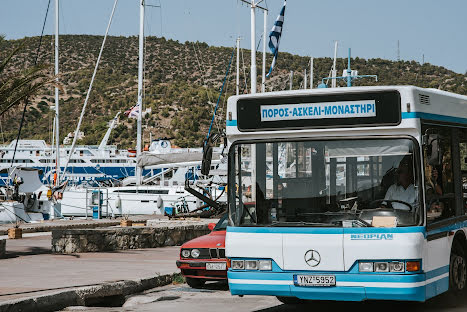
(434, 153)
(207, 158)
(207, 153)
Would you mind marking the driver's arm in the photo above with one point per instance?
(390, 193)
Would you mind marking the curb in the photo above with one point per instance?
(49, 228)
(85, 295)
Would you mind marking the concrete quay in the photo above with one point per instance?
(47, 226)
(158, 233)
(35, 279)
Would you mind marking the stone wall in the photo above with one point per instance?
(2, 248)
(109, 239)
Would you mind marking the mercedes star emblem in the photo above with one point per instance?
(312, 258)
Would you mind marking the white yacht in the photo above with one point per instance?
(27, 199)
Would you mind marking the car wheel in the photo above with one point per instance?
(457, 270)
(195, 282)
(290, 300)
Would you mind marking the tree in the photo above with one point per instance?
(19, 85)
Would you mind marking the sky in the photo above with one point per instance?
(436, 29)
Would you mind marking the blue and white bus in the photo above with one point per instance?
(347, 194)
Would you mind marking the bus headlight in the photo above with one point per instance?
(396, 266)
(251, 265)
(195, 253)
(381, 267)
(365, 266)
(390, 266)
(265, 265)
(238, 264)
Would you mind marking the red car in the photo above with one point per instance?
(203, 258)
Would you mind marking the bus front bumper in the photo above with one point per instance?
(349, 287)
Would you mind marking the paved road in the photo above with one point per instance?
(216, 297)
(31, 268)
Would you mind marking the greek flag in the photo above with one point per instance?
(275, 37)
(132, 112)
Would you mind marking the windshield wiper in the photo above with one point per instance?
(302, 223)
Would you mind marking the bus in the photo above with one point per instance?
(347, 194)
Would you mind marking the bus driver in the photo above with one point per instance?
(404, 190)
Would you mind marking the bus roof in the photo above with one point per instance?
(404, 101)
(408, 88)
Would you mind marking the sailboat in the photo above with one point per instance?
(158, 186)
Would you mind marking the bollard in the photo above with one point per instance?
(15, 233)
(125, 223)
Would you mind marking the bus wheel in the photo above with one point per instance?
(457, 269)
(290, 300)
(195, 282)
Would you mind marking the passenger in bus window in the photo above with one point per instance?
(404, 190)
(440, 190)
(448, 183)
(433, 191)
(433, 184)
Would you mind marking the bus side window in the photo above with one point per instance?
(439, 183)
(463, 165)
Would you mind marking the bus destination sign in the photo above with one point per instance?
(306, 111)
(347, 109)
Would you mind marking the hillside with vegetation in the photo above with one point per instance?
(182, 83)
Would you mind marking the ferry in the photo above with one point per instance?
(92, 164)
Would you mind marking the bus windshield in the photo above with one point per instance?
(335, 183)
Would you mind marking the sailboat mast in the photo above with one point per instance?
(311, 72)
(334, 67)
(253, 48)
(140, 89)
(238, 66)
(57, 133)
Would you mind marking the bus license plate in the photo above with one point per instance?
(314, 280)
(216, 266)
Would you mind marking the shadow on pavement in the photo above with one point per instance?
(221, 285)
(209, 287)
(31, 251)
(444, 302)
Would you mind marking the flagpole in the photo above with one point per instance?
(263, 80)
(253, 6)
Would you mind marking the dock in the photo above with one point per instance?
(34, 278)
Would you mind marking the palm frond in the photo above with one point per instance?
(18, 86)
